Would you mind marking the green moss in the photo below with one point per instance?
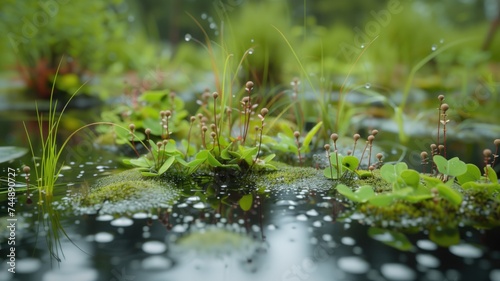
(128, 191)
(291, 177)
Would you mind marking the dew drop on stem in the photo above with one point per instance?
(187, 37)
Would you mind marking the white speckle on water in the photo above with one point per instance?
(466, 251)
(103, 237)
(349, 241)
(286, 203)
(427, 260)
(317, 224)
(301, 217)
(122, 222)
(56, 274)
(495, 275)
(27, 265)
(353, 265)
(426, 245)
(154, 247)
(140, 215)
(327, 237)
(312, 213)
(179, 228)
(104, 218)
(156, 263)
(199, 205)
(397, 271)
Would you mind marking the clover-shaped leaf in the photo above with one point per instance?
(453, 167)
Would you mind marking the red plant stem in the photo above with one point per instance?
(362, 155)
(439, 123)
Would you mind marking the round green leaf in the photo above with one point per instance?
(350, 162)
(246, 202)
(411, 178)
(472, 174)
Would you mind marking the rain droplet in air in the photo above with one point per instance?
(187, 37)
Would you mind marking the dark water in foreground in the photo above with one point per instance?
(293, 234)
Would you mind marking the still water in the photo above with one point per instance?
(298, 233)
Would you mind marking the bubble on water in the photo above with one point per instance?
(57, 274)
(301, 217)
(122, 222)
(286, 203)
(433, 47)
(466, 251)
(103, 237)
(193, 198)
(349, 241)
(317, 224)
(495, 275)
(188, 37)
(312, 213)
(28, 265)
(154, 247)
(156, 263)
(179, 228)
(327, 237)
(426, 245)
(427, 260)
(199, 205)
(140, 215)
(397, 271)
(353, 265)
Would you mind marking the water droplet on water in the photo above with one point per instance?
(434, 47)
(103, 237)
(154, 247)
(396, 271)
(466, 251)
(187, 37)
(121, 222)
(354, 265)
